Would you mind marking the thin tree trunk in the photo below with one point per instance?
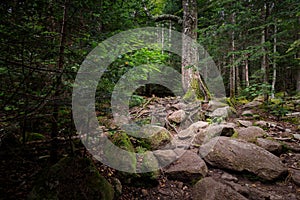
(264, 61)
(60, 65)
(232, 67)
(247, 72)
(189, 52)
(274, 62)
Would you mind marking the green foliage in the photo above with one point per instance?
(136, 100)
(255, 90)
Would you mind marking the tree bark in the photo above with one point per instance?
(191, 79)
(232, 67)
(57, 92)
(274, 62)
(189, 57)
(264, 61)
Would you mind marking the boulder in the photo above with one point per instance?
(192, 130)
(269, 145)
(295, 175)
(213, 105)
(158, 137)
(188, 168)
(250, 133)
(177, 116)
(209, 189)
(165, 157)
(211, 131)
(238, 155)
(221, 112)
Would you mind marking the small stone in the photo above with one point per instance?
(145, 192)
(247, 113)
(229, 177)
(296, 136)
(244, 123)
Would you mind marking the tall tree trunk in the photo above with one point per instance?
(274, 62)
(247, 72)
(264, 61)
(60, 65)
(232, 67)
(189, 57)
(190, 74)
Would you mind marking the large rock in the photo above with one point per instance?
(238, 155)
(213, 105)
(192, 130)
(188, 168)
(72, 178)
(211, 131)
(209, 189)
(221, 112)
(177, 116)
(295, 175)
(250, 133)
(269, 145)
(157, 138)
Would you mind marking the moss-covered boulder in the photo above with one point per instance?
(71, 178)
(157, 137)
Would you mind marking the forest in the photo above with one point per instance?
(150, 99)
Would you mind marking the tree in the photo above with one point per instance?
(191, 78)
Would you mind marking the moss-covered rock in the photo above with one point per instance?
(158, 137)
(72, 178)
(120, 153)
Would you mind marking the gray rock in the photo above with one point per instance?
(188, 168)
(269, 145)
(252, 104)
(229, 177)
(295, 174)
(209, 189)
(238, 155)
(262, 124)
(211, 131)
(156, 136)
(247, 113)
(296, 136)
(250, 192)
(192, 130)
(177, 116)
(165, 157)
(221, 112)
(244, 123)
(250, 133)
(213, 105)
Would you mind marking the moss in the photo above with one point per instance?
(194, 92)
(72, 178)
(33, 137)
(126, 159)
(235, 134)
(242, 101)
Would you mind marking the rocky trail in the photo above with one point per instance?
(203, 151)
(243, 154)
